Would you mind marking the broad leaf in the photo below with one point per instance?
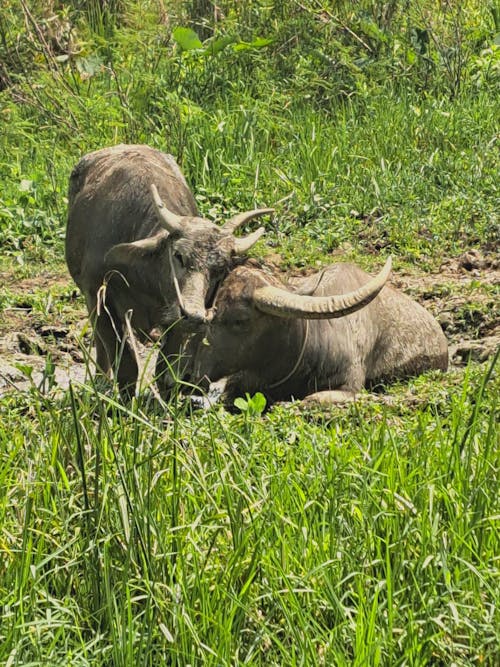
(219, 44)
(257, 43)
(187, 39)
(89, 65)
(241, 404)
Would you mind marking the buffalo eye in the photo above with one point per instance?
(239, 322)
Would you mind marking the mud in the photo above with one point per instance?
(45, 337)
(41, 346)
(465, 299)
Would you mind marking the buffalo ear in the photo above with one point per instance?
(127, 254)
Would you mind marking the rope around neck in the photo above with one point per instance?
(297, 363)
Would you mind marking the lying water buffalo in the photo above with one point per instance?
(325, 337)
(137, 248)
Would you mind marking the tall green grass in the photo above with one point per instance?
(419, 177)
(366, 536)
(386, 160)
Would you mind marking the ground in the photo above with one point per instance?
(44, 333)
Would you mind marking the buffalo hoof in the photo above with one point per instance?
(329, 397)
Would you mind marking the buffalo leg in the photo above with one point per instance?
(101, 335)
(111, 353)
(171, 364)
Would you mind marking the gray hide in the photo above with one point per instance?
(287, 356)
(157, 263)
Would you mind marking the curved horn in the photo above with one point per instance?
(282, 303)
(240, 218)
(241, 245)
(169, 221)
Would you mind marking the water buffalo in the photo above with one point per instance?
(323, 338)
(138, 250)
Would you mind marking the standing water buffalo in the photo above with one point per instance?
(137, 248)
(325, 338)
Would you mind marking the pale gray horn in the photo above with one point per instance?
(169, 221)
(282, 303)
(244, 243)
(240, 218)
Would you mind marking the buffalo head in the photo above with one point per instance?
(260, 337)
(184, 262)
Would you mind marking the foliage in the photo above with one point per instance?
(376, 122)
(253, 406)
(364, 536)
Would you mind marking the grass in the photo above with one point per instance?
(425, 188)
(385, 165)
(364, 535)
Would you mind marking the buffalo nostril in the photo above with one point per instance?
(194, 317)
(198, 318)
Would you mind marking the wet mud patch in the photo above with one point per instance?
(42, 324)
(45, 337)
(464, 296)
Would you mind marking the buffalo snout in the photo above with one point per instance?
(195, 318)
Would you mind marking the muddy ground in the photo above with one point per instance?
(44, 333)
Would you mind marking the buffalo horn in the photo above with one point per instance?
(244, 243)
(282, 303)
(169, 221)
(241, 218)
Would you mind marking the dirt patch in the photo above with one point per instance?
(464, 297)
(32, 353)
(44, 279)
(44, 331)
(41, 331)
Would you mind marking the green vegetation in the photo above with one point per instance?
(367, 535)
(354, 120)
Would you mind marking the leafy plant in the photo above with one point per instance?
(252, 406)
